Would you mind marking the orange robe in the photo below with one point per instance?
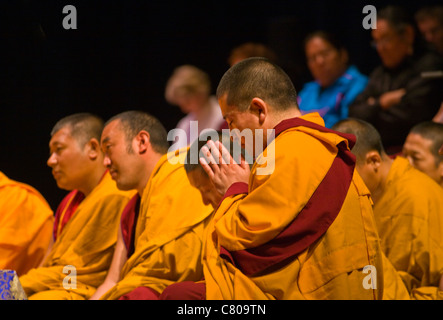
(409, 218)
(168, 235)
(25, 226)
(302, 232)
(85, 241)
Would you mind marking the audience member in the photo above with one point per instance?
(430, 23)
(336, 83)
(397, 97)
(190, 89)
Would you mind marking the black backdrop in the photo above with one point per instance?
(122, 53)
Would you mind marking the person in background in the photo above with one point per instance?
(189, 88)
(407, 207)
(397, 96)
(336, 83)
(429, 21)
(249, 50)
(26, 222)
(421, 149)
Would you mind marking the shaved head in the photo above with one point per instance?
(82, 126)
(368, 138)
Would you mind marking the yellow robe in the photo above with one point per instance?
(26, 221)
(168, 234)
(86, 242)
(409, 219)
(330, 268)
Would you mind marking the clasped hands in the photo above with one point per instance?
(221, 168)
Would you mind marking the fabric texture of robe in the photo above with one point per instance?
(409, 218)
(300, 232)
(168, 233)
(26, 221)
(86, 242)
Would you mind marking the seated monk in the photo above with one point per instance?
(299, 224)
(26, 221)
(407, 206)
(160, 238)
(87, 219)
(421, 149)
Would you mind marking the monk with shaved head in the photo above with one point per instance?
(407, 207)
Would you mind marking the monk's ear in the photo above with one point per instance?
(259, 108)
(93, 149)
(143, 141)
(440, 170)
(373, 160)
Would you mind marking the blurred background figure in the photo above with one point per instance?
(336, 83)
(397, 97)
(249, 50)
(421, 148)
(189, 88)
(430, 23)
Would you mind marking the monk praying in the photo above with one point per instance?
(86, 221)
(299, 224)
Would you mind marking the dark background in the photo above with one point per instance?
(123, 52)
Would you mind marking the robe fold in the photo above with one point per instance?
(305, 231)
(168, 234)
(86, 242)
(26, 221)
(409, 219)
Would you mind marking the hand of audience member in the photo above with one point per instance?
(224, 171)
(391, 98)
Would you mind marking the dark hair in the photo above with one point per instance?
(367, 137)
(329, 37)
(83, 127)
(397, 17)
(257, 77)
(435, 12)
(134, 121)
(432, 131)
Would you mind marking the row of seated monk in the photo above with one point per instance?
(139, 222)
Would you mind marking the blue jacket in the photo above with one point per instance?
(332, 103)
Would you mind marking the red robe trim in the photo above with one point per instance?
(128, 223)
(68, 205)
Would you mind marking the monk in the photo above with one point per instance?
(299, 224)
(161, 234)
(421, 149)
(407, 206)
(87, 219)
(26, 221)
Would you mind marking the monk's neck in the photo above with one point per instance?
(150, 164)
(92, 180)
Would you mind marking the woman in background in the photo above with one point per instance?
(336, 83)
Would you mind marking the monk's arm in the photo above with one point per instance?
(113, 276)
